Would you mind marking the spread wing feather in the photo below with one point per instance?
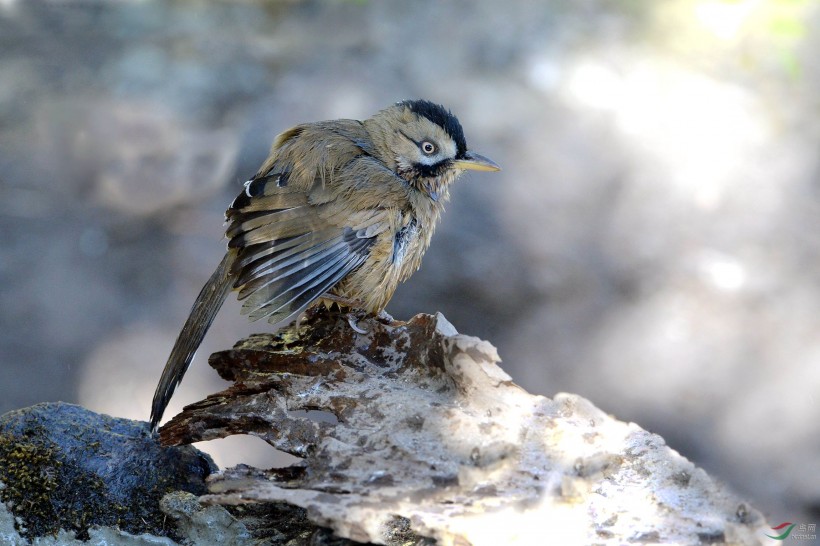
(289, 296)
(280, 270)
(294, 240)
(295, 248)
(301, 299)
(281, 285)
(267, 255)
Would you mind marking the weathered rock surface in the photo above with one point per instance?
(65, 468)
(408, 433)
(411, 426)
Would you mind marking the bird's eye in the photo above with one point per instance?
(428, 147)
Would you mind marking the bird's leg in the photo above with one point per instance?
(351, 304)
(382, 315)
(342, 301)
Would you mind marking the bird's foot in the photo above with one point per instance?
(352, 320)
(357, 311)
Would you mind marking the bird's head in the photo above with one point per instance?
(425, 145)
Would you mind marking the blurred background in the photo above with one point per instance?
(652, 242)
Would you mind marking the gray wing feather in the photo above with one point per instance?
(288, 257)
(280, 288)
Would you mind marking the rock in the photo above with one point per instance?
(268, 524)
(66, 468)
(204, 525)
(411, 429)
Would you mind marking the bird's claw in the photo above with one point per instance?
(351, 320)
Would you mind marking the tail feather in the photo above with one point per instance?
(205, 308)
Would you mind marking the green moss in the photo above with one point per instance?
(50, 494)
(29, 471)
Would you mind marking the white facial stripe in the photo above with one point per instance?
(431, 159)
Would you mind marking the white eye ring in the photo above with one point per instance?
(428, 147)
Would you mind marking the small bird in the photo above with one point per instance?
(341, 211)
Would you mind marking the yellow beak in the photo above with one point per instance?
(475, 162)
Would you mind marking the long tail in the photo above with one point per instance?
(204, 310)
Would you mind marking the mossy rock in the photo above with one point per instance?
(64, 467)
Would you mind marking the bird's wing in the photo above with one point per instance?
(294, 243)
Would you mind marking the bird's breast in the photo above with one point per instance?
(395, 255)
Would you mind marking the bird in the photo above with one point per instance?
(341, 211)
